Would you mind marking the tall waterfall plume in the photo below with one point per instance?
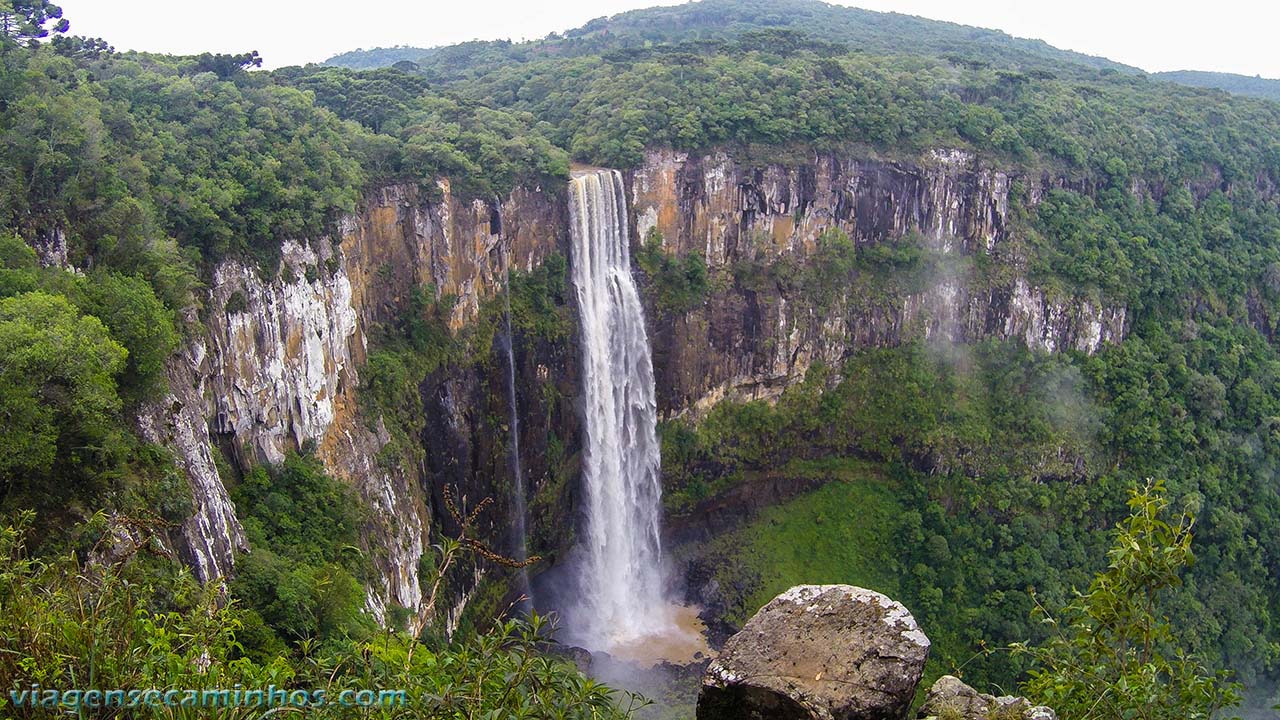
(622, 598)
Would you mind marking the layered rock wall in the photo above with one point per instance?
(751, 341)
(277, 365)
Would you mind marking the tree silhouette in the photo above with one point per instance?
(24, 22)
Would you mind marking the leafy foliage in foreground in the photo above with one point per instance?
(1115, 654)
(138, 622)
(138, 625)
(151, 167)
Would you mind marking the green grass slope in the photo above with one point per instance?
(839, 533)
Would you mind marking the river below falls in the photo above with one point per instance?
(683, 641)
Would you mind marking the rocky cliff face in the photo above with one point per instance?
(209, 539)
(752, 339)
(278, 364)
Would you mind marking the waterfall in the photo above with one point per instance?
(621, 595)
(519, 531)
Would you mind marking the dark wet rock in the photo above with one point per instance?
(580, 657)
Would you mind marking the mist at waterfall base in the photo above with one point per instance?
(612, 593)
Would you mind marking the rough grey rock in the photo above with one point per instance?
(818, 652)
(280, 372)
(209, 539)
(764, 337)
(951, 699)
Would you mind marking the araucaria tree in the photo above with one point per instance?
(1115, 655)
(24, 21)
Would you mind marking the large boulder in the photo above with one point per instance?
(951, 699)
(818, 652)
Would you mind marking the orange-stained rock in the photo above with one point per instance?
(754, 336)
(283, 372)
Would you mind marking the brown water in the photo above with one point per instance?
(680, 644)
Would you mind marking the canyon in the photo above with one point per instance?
(277, 365)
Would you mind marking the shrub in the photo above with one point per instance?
(680, 283)
(1114, 654)
(237, 303)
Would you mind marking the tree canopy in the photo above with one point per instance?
(27, 21)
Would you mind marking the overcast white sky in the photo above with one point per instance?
(1226, 35)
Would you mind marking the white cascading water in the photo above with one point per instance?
(622, 596)
(519, 531)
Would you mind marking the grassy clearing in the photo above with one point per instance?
(840, 533)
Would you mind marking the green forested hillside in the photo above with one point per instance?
(1008, 467)
(725, 20)
(1257, 86)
